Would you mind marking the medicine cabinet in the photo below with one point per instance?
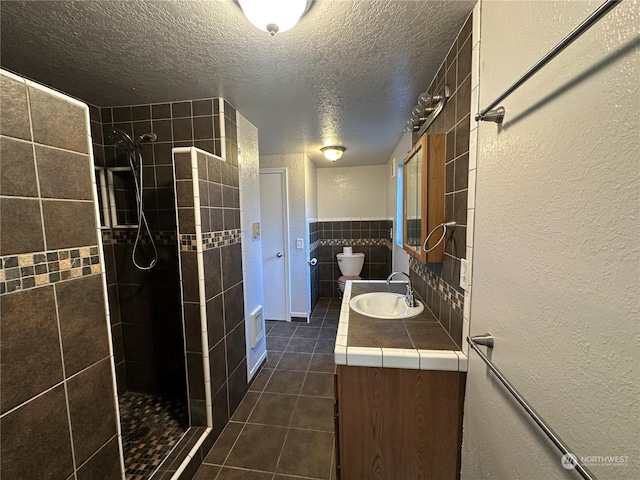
(423, 209)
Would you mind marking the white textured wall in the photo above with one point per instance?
(311, 203)
(352, 192)
(556, 260)
(400, 257)
(295, 165)
(311, 189)
(251, 247)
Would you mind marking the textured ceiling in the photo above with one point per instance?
(347, 74)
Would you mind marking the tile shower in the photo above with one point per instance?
(149, 307)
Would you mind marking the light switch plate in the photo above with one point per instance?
(256, 229)
(299, 243)
(464, 274)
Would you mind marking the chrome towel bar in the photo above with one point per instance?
(568, 456)
(488, 114)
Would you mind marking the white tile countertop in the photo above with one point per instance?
(375, 351)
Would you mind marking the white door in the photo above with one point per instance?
(275, 244)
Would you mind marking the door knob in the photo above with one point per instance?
(279, 254)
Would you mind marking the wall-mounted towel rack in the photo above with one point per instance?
(571, 459)
(488, 114)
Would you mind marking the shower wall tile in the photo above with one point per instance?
(233, 307)
(17, 170)
(91, 409)
(61, 225)
(57, 121)
(75, 184)
(215, 328)
(54, 323)
(212, 272)
(192, 327)
(40, 445)
(21, 226)
(231, 265)
(82, 327)
(104, 465)
(29, 343)
(14, 121)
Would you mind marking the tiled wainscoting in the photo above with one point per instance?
(327, 237)
(58, 413)
(439, 282)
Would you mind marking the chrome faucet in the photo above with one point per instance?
(409, 295)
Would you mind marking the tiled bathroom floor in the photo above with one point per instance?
(283, 429)
(151, 426)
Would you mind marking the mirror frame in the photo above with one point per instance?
(418, 253)
(433, 148)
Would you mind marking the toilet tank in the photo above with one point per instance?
(350, 264)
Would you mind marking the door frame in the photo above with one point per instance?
(284, 179)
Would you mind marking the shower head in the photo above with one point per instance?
(121, 139)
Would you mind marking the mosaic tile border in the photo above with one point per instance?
(31, 270)
(369, 241)
(446, 291)
(128, 236)
(189, 241)
(337, 242)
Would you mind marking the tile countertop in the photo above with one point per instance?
(418, 343)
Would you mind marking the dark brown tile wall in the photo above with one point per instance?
(57, 404)
(454, 122)
(365, 236)
(314, 237)
(223, 287)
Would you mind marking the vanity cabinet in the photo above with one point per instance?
(398, 424)
(423, 199)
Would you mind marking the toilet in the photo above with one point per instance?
(350, 266)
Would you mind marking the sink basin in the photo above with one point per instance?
(384, 305)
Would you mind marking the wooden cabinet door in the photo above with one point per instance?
(399, 424)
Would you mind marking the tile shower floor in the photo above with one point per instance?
(151, 426)
(283, 429)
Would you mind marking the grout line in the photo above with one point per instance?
(35, 166)
(66, 389)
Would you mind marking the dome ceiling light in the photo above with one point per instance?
(274, 16)
(332, 153)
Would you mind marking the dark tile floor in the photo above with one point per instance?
(151, 427)
(283, 429)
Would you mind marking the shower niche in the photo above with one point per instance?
(116, 197)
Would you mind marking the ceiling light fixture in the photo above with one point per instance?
(332, 153)
(274, 16)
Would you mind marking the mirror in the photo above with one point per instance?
(414, 224)
(424, 178)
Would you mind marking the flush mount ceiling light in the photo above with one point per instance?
(332, 153)
(274, 16)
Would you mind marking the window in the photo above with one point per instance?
(399, 195)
